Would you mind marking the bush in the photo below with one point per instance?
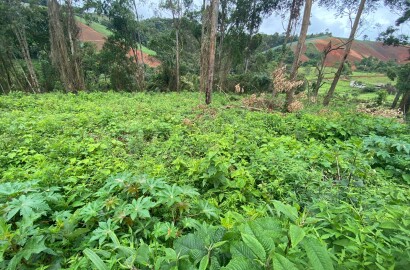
(369, 89)
(251, 82)
(381, 97)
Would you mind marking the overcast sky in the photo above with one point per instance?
(321, 20)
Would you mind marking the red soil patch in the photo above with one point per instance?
(359, 51)
(147, 59)
(87, 34)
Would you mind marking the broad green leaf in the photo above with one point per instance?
(190, 245)
(14, 262)
(169, 195)
(239, 249)
(114, 239)
(296, 234)
(282, 263)
(204, 263)
(254, 245)
(318, 255)
(218, 244)
(104, 230)
(152, 186)
(139, 208)
(30, 207)
(34, 245)
(10, 189)
(143, 253)
(214, 264)
(91, 210)
(287, 210)
(170, 254)
(189, 191)
(98, 263)
(218, 234)
(240, 263)
(266, 230)
(125, 251)
(208, 209)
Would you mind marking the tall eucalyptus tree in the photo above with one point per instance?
(209, 32)
(65, 45)
(299, 47)
(178, 8)
(343, 4)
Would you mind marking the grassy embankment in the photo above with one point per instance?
(106, 32)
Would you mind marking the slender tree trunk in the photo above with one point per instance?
(320, 69)
(59, 53)
(24, 74)
(332, 88)
(221, 36)
(292, 18)
(212, 43)
(247, 52)
(405, 103)
(140, 67)
(396, 99)
(177, 59)
(69, 27)
(318, 84)
(251, 32)
(204, 47)
(298, 52)
(73, 31)
(14, 70)
(64, 52)
(2, 89)
(6, 70)
(138, 33)
(22, 40)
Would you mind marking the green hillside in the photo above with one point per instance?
(103, 30)
(96, 26)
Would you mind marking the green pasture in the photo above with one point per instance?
(343, 86)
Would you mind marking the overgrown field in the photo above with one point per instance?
(156, 181)
(344, 89)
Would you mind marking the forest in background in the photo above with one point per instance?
(215, 46)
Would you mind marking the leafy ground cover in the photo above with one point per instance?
(157, 181)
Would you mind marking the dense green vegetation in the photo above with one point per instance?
(98, 170)
(154, 181)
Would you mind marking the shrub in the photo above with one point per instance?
(381, 97)
(369, 89)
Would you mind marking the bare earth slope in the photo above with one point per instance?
(360, 50)
(87, 34)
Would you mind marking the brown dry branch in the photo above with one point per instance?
(295, 106)
(262, 102)
(281, 83)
